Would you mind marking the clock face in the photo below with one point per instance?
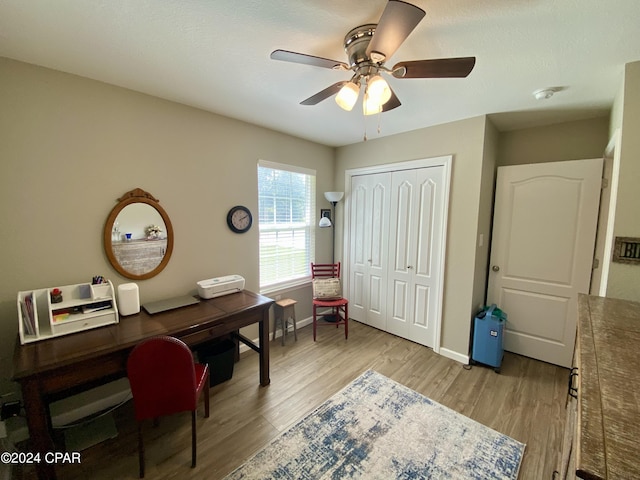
(239, 219)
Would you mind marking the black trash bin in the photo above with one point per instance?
(220, 357)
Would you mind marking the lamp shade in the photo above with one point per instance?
(348, 96)
(378, 90)
(324, 222)
(333, 196)
(370, 106)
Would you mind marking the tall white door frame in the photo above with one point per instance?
(604, 239)
(444, 161)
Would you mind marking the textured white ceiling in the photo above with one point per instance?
(214, 55)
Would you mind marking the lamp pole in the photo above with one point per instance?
(333, 198)
(333, 232)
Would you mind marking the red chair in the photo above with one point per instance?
(165, 380)
(338, 304)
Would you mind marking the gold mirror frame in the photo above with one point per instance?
(137, 195)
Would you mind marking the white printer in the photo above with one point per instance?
(219, 286)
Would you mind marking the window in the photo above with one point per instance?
(286, 203)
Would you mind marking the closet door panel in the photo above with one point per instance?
(399, 312)
(402, 213)
(377, 255)
(357, 295)
(426, 218)
(358, 283)
(369, 248)
(400, 297)
(428, 254)
(379, 227)
(376, 287)
(421, 304)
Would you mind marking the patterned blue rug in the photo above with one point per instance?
(376, 428)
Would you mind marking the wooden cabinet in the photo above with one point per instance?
(140, 256)
(603, 442)
(80, 307)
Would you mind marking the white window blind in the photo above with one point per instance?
(286, 203)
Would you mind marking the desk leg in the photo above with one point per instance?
(38, 423)
(263, 328)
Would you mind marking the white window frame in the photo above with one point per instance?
(309, 226)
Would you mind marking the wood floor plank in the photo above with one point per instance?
(525, 401)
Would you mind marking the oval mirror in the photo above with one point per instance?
(138, 236)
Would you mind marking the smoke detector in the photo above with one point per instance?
(544, 93)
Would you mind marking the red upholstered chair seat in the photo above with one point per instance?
(165, 380)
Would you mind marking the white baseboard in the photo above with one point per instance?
(299, 324)
(458, 357)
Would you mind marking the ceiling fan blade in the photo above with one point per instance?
(437, 68)
(323, 94)
(294, 57)
(396, 23)
(392, 103)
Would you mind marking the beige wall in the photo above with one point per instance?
(624, 280)
(69, 147)
(576, 140)
(464, 140)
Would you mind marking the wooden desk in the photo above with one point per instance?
(58, 367)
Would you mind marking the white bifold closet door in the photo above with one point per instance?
(370, 202)
(397, 221)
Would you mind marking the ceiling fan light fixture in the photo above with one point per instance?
(370, 106)
(378, 90)
(348, 96)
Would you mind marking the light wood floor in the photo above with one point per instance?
(525, 401)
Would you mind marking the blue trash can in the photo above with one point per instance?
(488, 337)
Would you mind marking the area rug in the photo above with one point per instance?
(376, 428)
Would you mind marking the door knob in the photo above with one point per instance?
(409, 267)
(495, 268)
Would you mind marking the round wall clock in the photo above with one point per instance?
(239, 219)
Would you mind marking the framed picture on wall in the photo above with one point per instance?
(325, 213)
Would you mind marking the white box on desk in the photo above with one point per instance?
(216, 287)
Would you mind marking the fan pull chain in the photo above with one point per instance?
(364, 124)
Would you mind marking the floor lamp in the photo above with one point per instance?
(333, 198)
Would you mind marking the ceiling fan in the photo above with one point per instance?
(368, 47)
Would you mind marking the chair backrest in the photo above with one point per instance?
(325, 270)
(162, 376)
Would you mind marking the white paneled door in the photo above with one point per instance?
(415, 253)
(542, 250)
(369, 248)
